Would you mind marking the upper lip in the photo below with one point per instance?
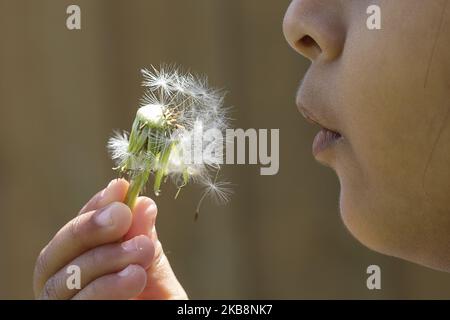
(308, 114)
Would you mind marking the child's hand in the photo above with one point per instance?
(117, 251)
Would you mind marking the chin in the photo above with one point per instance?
(378, 232)
(365, 222)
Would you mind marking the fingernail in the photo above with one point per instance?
(111, 183)
(151, 212)
(127, 271)
(151, 209)
(104, 217)
(153, 235)
(134, 244)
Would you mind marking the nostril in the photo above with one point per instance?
(307, 41)
(309, 47)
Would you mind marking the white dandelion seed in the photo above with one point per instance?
(219, 191)
(158, 79)
(118, 147)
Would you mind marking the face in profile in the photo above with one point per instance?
(382, 100)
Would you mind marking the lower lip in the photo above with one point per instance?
(324, 140)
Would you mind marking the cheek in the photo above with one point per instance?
(436, 178)
(390, 121)
(394, 167)
(386, 113)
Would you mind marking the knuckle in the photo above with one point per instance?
(95, 257)
(76, 231)
(75, 227)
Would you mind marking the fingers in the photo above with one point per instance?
(125, 284)
(99, 262)
(115, 191)
(144, 216)
(86, 231)
(161, 280)
(82, 233)
(89, 241)
(162, 284)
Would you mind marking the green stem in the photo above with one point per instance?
(135, 188)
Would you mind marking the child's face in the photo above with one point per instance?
(387, 93)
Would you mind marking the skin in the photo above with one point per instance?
(387, 93)
(118, 252)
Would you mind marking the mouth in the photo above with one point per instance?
(325, 138)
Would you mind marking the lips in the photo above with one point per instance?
(325, 138)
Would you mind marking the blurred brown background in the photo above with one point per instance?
(63, 92)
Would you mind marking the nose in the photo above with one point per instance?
(315, 28)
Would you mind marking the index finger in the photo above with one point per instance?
(66, 245)
(115, 191)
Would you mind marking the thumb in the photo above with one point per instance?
(162, 283)
(161, 280)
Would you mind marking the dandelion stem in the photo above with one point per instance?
(136, 185)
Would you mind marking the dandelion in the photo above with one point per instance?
(164, 135)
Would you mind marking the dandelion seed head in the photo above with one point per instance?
(175, 106)
(152, 113)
